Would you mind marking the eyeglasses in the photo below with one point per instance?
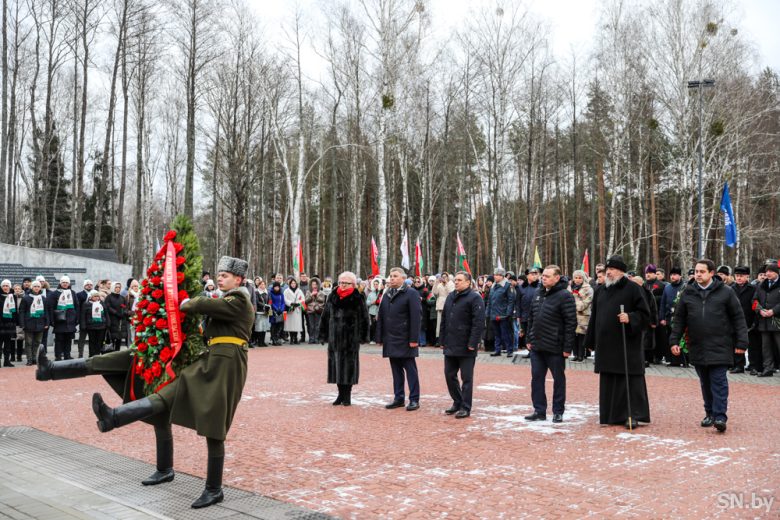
(345, 283)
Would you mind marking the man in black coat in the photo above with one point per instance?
(460, 333)
(8, 322)
(745, 292)
(716, 330)
(617, 306)
(398, 331)
(82, 297)
(660, 338)
(551, 327)
(767, 300)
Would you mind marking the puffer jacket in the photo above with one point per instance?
(553, 320)
(583, 297)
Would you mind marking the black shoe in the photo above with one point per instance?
(737, 370)
(452, 410)
(413, 405)
(395, 404)
(510, 354)
(159, 477)
(495, 354)
(340, 399)
(766, 373)
(557, 417)
(57, 370)
(754, 372)
(707, 421)
(109, 418)
(347, 398)
(462, 414)
(7, 363)
(720, 425)
(213, 492)
(536, 417)
(29, 363)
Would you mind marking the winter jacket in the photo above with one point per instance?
(117, 310)
(277, 306)
(767, 298)
(398, 323)
(666, 308)
(88, 323)
(440, 291)
(714, 321)
(501, 303)
(372, 300)
(745, 294)
(583, 297)
(526, 297)
(553, 320)
(462, 323)
(8, 323)
(293, 299)
(656, 289)
(31, 323)
(71, 316)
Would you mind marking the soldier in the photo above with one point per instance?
(206, 393)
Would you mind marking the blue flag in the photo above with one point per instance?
(728, 217)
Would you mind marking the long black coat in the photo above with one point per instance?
(552, 321)
(8, 325)
(714, 321)
(745, 294)
(398, 323)
(648, 335)
(768, 299)
(462, 323)
(116, 307)
(72, 316)
(344, 326)
(87, 323)
(604, 330)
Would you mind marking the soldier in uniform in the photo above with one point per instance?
(205, 395)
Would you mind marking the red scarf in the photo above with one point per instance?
(343, 293)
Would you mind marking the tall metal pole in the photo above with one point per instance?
(701, 184)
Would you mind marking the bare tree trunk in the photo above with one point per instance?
(4, 144)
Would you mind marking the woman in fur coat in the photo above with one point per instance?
(344, 326)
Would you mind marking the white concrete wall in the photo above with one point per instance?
(96, 269)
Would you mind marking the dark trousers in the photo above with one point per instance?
(770, 346)
(408, 366)
(31, 342)
(579, 346)
(96, 338)
(83, 333)
(460, 391)
(430, 332)
(313, 326)
(504, 330)
(556, 364)
(755, 355)
(714, 390)
(372, 329)
(276, 331)
(63, 341)
(662, 349)
(8, 348)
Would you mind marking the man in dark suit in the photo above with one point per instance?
(398, 330)
(462, 325)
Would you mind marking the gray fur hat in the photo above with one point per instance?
(232, 265)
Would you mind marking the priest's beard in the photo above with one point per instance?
(609, 282)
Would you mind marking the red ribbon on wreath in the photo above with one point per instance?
(171, 288)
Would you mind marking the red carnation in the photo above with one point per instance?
(146, 290)
(142, 304)
(755, 305)
(170, 235)
(161, 324)
(148, 321)
(156, 280)
(153, 308)
(166, 354)
(157, 294)
(159, 256)
(140, 327)
(178, 247)
(144, 282)
(183, 295)
(154, 340)
(142, 347)
(156, 369)
(148, 376)
(180, 260)
(179, 277)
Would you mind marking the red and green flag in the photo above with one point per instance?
(298, 259)
(418, 259)
(586, 263)
(463, 264)
(374, 259)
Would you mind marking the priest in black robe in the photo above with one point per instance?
(606, 338)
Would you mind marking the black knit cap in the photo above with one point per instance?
(676, 270)
(742, 269)
(617, 262)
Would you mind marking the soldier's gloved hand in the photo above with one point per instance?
(181, 303)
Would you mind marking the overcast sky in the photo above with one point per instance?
(572, 22)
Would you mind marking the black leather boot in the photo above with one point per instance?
(109, 418)
(53, 371)
(164, 471)
(213, 492)
(340, 399)
(347, 399)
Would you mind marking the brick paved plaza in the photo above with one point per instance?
(290, 444)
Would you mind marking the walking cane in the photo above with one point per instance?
(625, 366)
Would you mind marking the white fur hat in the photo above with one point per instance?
(65, 279)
